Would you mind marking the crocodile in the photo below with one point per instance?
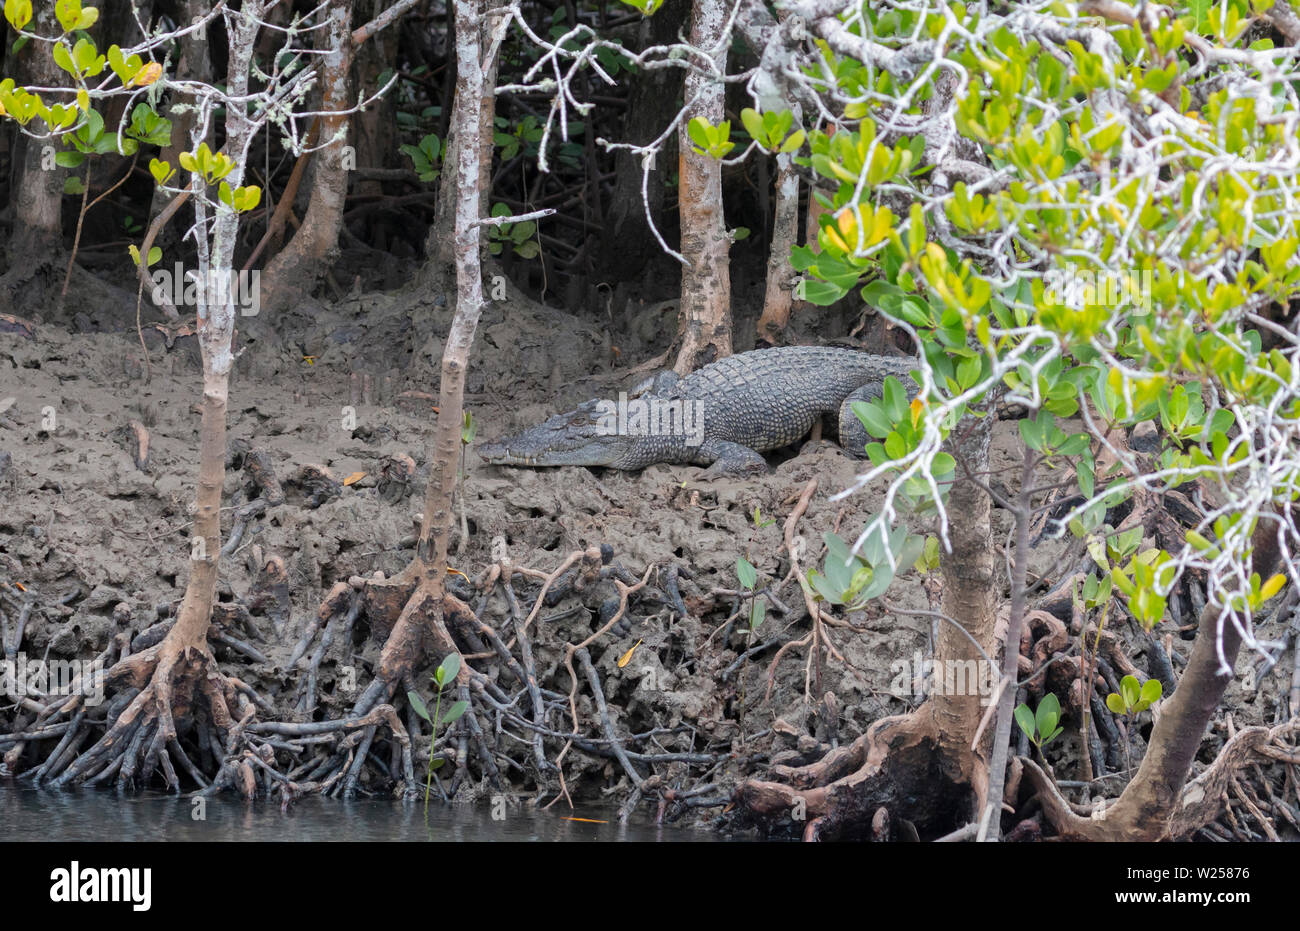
(724, 415)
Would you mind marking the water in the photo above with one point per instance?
(90, 815)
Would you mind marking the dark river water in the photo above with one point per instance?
(33, 815)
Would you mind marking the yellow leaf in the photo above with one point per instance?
(147, 75)
(627, 657)
(587, 820)
(83, 100)
(354, 478)
(917, 409)
(1271, 588)
(310, 360)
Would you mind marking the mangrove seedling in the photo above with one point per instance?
(854, 579)
(1041, 726)
(1132, 699)
(748, 578)
(444, 674)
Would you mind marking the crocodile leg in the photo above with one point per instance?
(853, 437)
(726, 458)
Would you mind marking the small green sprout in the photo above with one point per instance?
(1041, 726)
(1132, 697)
(445, 674)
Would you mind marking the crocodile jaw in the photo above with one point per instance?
(512, 452)
(574, 438)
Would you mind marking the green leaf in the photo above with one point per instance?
(68, 12)
(1116, 703)
(1025, 718)
(792, 144)
(823, 588)
(821, 293)
(418, 704)
(944, 464)
(1131, 690)
(454, 712)
(753, 123)
(449, 669)
(1087, 476)
(1030, 433)
(747, 574)
(698, 130)
(873, 418)
(1151, 691)
(895, 398)
(1049, 712)
(18, 12)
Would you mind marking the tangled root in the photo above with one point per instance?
(894, 774)
(157, 687)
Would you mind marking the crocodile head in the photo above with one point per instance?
(580, 437)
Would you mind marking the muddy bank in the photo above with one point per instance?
(94, 545)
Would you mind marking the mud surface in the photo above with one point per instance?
(99, 543)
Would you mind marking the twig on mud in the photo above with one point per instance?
(529, 668)
(769, 592)
(814, 635)
(746, 655)
(599, 694)
(25, 612)
(588, 555)
(475, 731)
(624, 592)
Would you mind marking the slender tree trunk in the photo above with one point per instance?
(375, 128)
(704, 324)
(487, 115)
(216, 327)
(779, 296)
(470, 92)
(426, 607)
(969, 598)
(294, 272)
(36, 242)
(1011, 647)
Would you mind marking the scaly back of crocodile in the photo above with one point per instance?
(770, 398)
